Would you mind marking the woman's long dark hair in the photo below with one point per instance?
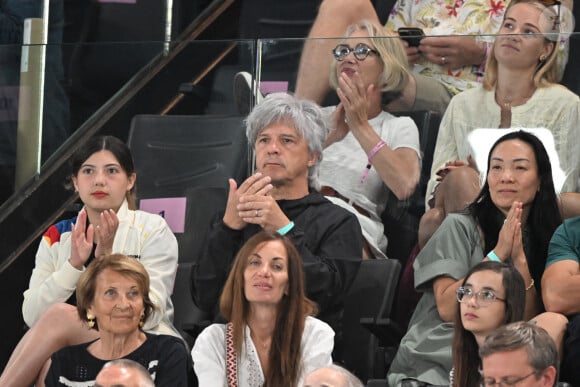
(466, 361)
(544, 214)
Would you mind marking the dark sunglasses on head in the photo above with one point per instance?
(361, 51)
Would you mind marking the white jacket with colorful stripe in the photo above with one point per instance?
(140, 235)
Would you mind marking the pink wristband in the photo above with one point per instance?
(374, 151)
(372, 154)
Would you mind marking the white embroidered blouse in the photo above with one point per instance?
(209, 355)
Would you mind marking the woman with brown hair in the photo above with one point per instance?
(114, 301)
(271, 338)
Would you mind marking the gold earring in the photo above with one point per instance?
(142, 321)
(543, 57)
(90, 321)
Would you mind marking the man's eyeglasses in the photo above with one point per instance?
(361, 51)
(505, 382)
(483, 297)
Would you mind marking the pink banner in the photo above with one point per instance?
(172, 209)
(268, 87)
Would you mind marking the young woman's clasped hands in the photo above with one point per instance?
(84, 236)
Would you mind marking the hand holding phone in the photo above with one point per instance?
(412, 35)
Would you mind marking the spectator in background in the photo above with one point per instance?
(123, 373)
(561, 292)
(443, 65)
(55, 120)
(287, 135)
(520, 354)
(271, 338)
(331, 376)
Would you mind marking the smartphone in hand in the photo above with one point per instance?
(412, 35)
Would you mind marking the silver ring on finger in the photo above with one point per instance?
(257, 213)
(443, 60)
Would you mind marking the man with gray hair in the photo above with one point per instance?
(287, 135)
(331, 376)
(519, 353)
(123, 373)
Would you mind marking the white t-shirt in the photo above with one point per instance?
(344, 161)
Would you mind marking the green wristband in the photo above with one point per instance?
(493, 256)
(284, 230)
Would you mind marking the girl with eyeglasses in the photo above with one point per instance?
(491, 295)
(511, 221)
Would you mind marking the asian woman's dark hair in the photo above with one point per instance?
(112, 144)
(466, 362)
(544, 214)
(285, 353)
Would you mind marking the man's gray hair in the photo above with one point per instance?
(305, 116)
(145, 379)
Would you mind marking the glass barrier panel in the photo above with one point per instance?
(83, 80)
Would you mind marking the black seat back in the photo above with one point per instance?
(202, 205)
(371, 296)
(428, 124)
(401, 218)
(175, 153)
(191, 158)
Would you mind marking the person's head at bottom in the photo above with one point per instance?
(331, 376)
(521, 354)
(123, 373)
